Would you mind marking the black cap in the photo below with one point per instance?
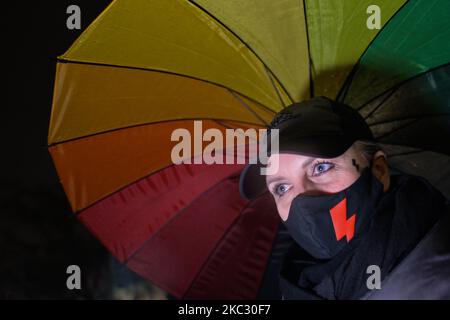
(318, 127)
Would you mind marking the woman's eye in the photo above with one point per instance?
(281, 189)
(322, 168)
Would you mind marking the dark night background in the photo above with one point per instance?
(39, 236)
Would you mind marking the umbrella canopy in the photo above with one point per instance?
(143, 69)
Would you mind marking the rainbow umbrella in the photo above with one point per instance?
(145, 68)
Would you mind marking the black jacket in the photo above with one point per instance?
(422, 274)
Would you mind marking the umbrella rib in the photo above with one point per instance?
(349, 79)
(405, 82)
(405, 153)
(60, 60)
(346, 86)
(379, 104)
(311, 82)
(144, 124)
(396, 129)
(268, 73)
(177, 215)
(228, 229)
(81, 211)
(246, 106)
(229, 127)
(240, 39)
(417, 117)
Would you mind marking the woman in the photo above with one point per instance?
(360, 231)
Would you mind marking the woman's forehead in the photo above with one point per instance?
(293, 158)
(290, 158)
(287, 163)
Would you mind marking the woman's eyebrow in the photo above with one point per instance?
(273, 179)
(308, 162)
(277, 178)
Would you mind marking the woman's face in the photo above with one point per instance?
(299, 174)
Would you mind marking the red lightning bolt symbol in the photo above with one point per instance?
(342, 226)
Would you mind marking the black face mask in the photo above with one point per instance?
(323, 225)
